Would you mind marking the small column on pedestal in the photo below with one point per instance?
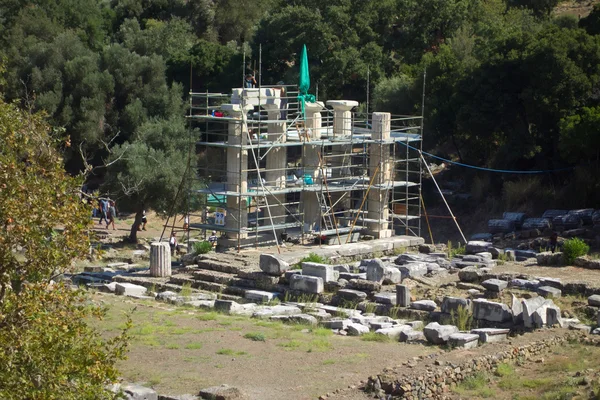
(380, 161)
(275, 175)
(312, 130)
(160, 259)
(237, 175)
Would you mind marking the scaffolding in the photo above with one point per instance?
(265, 169)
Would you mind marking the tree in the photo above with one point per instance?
(591, 23)
(541, 8)
(47, 349)
(146, 171)
(580, 136)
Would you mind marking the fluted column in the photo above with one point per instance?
(160, 259)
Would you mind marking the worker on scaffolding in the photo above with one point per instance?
(250, 81)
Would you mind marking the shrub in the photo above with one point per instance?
(202, 247)
(453, 251)
(574, 248)
(462, 318)
(314, 257)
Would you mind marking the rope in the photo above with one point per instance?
(427, 220)
(501, 171)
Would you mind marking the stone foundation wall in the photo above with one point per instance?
(438, 380)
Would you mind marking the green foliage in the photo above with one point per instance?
(255, 336)
(453, 251)
(462, 318)
(35, 193)
(504, 370)
(186, 289)
(573, 248)
(375, 337)
(202, 247)
(314, 257)
(591, 23)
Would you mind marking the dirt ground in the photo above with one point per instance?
(179, 350)
(578, 8)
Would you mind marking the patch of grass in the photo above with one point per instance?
(504, 370)
(230, 352)
(186, 289)
(320, 344)
(255, 336)
(375, 337)
(173, 346)
(453, 251)
(462, 318)
(202, 247)
(210, 316)
(193, 346)
(476, 385)
(314, 257)
(292, 344)
(226, 323)
(328, 362)
(370, 307)
(399, 250)
(322, 332)
(269, 324)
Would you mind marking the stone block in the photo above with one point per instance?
(375, 270)
(166, 295)
(476, 246)
(323, 271)
(494, 285)
(129, 289)
(227, 306)
(580, 327)
(413, 270)
(425, 305)
(272, 265)
(137, 392)
(350, 275)
(549, 258)
(408, 258)
(351, 295)
(491, 335)
(259, 296)
(539, 316)
(360, 284)
(376, 325)
(394, 332)
(308, 284)
(517, 309)
(438, 334)
(529, 307)
(271, 311)
(466, 340)
(525, 284)
(160, 259)
(416, 324)
(336, 323)
(553, 316)
(385, 298)
(355, 329)
(342, 268)
(552, 282)
(470, 274)
(549, 292)
(391, 275)
(223, 392)
(303, 319)
(402, 296)
(452, 304)
(491, 311)
(411, 336)
(594, 300)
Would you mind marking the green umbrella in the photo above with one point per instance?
(304, 82)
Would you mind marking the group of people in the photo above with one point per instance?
(108, 212)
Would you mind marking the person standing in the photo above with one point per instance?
(102, 207)
(173, 243)
(553, 241)
(112, 214)
(212, 239)
(142, 227)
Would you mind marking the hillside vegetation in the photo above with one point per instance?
(509, 84)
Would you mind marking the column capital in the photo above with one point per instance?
(342, 105)
(312, 108)
(235, 110)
